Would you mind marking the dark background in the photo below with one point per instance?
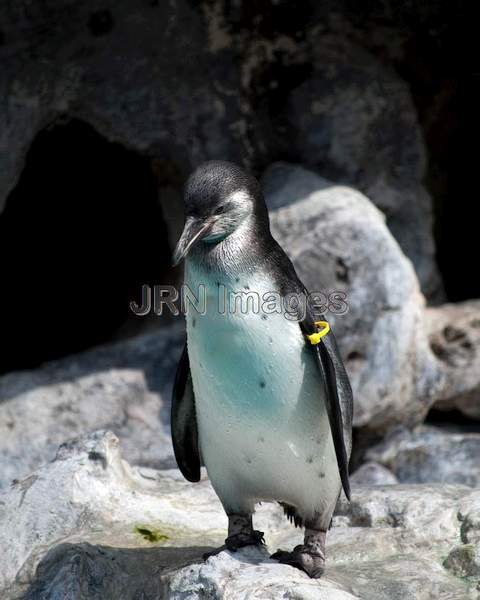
(107, 106)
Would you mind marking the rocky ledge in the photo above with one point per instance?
(89, 526)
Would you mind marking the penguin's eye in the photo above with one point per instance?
(219, 210)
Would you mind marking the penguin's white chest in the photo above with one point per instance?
(263, 427)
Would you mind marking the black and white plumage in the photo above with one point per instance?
(269, 414)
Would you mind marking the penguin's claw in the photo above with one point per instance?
(237, 541)
(303, 558)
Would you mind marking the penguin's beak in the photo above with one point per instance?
(195, 229)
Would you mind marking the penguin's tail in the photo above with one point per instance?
(292, 514)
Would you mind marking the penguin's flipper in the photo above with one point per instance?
(339, 397)
(184, 421)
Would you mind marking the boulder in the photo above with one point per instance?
(90, 526)
(430, 454)
(454, 333)
(338, 241)
(89, 494)
(372, 473)
(125, 387)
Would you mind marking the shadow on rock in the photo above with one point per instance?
(89, 572)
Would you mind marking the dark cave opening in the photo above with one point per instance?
(81, 232)
(452, 420)
(440, 65)
(452, 181)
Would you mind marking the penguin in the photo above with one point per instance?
(261, 398)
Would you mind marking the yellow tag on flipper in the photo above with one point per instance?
(315, 338)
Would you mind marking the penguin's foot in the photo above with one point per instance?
(309, 556)
(242, 539)
(305, 558)
(237, 541)
(240, 534)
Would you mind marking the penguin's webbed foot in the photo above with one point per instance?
(305, 558)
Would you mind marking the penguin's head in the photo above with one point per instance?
(219, 197)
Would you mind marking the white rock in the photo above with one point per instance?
(338, 240)
(430, 454)
(454, 332)
(372, 473)
(124, 387)
(88, 526)
(250, 574)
